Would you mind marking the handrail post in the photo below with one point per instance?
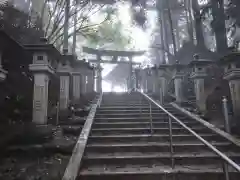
(150, 111)
(225, 171)
(171, 142)
(223, 156)
(100, 99)
(57, 113)
(228, 130)
(141, 105)
(226, 117)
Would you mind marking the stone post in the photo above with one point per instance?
(130, 73)
(232, 74)
(2, 71)
(137, 80)
(40, 97)
(155, 81)
(99, 80)
(65, 70)
(149, 80)
(84, 83)
(178, 88)
(199, 74)
(76, 86)
(178, 70)
(64, 91)
(90, 82)
(162, 80)
(41, 68)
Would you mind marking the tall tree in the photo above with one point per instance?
(19, 25)
(216, 9)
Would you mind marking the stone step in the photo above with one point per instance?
(146, 107)
(125, 104)
(195, 146)
(135, 114)
(138, 119)
(156, 172)
(131, 138)
(112, 131)
(150, 159)
(134, 111)
(146, 110)
(73, 130)
(121, 146)
(146, 124)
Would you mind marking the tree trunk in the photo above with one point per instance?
(198, 25)
(219, 25)
(189, 19)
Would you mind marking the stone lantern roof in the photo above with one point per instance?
(232, 57)
(44, 47)
(82, 64)
(199, 62)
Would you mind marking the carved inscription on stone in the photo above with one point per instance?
(39, 90)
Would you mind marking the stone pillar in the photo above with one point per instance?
(99, 80)
(163, 85)
(64, 91)
(149, 80)
(232, 74)
(235, 95)
(137, 80)
(178, 70)
(83, 84)
(200, 93)
(130, 74)
(178, 88)
(155, 80)
(76, 86)
(40, 98)
(41, 68)
(44, 64)
(199, 74)
(90, 82)
(162, 79)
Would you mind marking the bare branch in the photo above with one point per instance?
(80, 29)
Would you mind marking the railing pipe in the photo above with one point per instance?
(151, 123)
(57, 113)
(226, 117)
(209, 145)
(171, 141)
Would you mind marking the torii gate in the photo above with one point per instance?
(114, 55)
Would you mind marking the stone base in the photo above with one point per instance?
(2, 74)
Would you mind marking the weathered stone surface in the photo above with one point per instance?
(24, 134)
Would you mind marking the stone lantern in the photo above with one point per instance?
(231, 66)
(64, 70)
(199, 73)
(178, 74)
(83, 78)
(44, 58)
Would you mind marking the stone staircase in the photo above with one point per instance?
(121, 146)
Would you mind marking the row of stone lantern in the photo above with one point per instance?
(47, 60)
(158, 78)
(155, 80)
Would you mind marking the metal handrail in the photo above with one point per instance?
(214, 149)
(71, 171)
